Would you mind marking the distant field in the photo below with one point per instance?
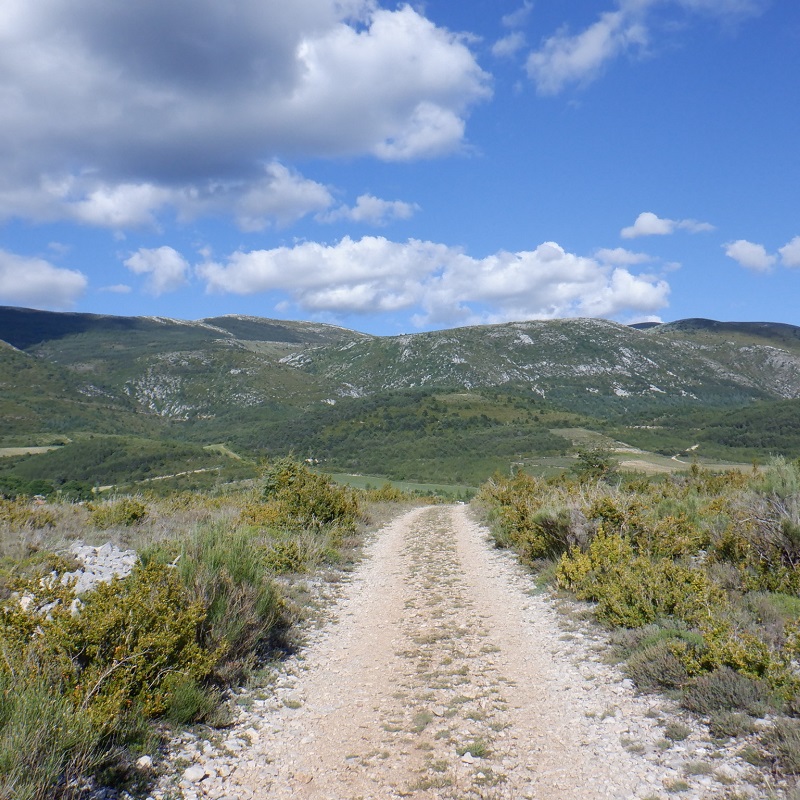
(633, 458)
(375, 482)
(25, 451)
(223, 450)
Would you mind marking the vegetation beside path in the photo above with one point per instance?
(697, 575)
(89, 685)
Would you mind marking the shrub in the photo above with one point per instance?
(729, 724)
(44, 740)
(725, 690)
(227, 573)
(296, 499)
(676, 731)
(190, 701)
(18, 514)
(121, 652)
(784, 740)
(673, 536)
(285, 556)
(605, 510)
(124, 512)
(388, 494)
(656, 666)
(633, 590)
(593, 463)
(547, 534)
(780, 479)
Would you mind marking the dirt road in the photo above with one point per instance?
(444, 676)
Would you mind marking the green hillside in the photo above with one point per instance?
(40, 402)
(453, 404)
(590, 366)
(96, 461)
(417, 434)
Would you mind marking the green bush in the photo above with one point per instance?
(388, 494)
(44, 740)
(656, 666)
(593, 463)
(287, 555)
(18, 514)
(297, 499)
(676, 731)
(123, 650)
(725, 690)
(729, 724)
(190, 701)
(74, 686)
(227, 573)
(633, 590)
(781, 478)
(124, 512)
(783, 739)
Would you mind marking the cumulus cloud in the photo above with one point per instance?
(372, 210)
(36, 282)
(443, 284)
(280, 195)
(122, 206)
(649, 224)
(580, 58)
(128, 108)
(790, 253)
(750, 255)
(276, 195)
(166, 269)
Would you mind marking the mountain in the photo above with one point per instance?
(266, 386)
(588, 365)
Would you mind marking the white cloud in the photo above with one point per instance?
(649, 224)
(621, 257)
(166, 269)
(516, 19)
(509, 45)
(140, 105)
(442, 283)
(36, 282)
(117, 288)
(580, 58)
(281, 195)
(565, 59)
(122, 206)
(750, 255)
(790, 253)
(372, 210)
(277, 195)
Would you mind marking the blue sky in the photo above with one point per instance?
(394, 168)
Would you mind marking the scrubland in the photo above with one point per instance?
(89, 686)
(697, 576)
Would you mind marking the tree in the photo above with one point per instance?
(594, 462)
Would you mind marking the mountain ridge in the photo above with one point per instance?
(455, 402)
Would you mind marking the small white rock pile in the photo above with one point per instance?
(100, 565)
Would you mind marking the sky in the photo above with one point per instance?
(401, 167)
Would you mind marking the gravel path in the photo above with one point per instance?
(444, 676)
